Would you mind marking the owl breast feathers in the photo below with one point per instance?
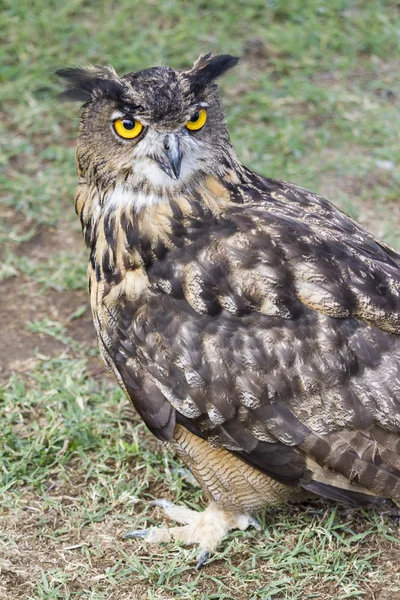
(246, 311)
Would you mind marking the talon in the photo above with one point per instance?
(138, 533)
(202, 559)
(186, 475)
(254, 523)
(181, 472)
(206, 528)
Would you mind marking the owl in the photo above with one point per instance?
(253, 325)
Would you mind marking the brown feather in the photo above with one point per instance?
(248, 311)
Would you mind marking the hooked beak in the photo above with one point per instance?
(171, 160)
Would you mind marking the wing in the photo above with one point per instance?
(273, 333)
(335, 266)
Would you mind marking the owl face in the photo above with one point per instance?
(151, 131)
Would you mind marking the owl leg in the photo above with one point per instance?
(207, 529)
(235, 489)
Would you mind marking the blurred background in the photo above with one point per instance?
(314, 100)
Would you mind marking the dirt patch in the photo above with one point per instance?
(23, 300)
(22, 303)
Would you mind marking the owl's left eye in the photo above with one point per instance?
(197, 120)
(127, 128)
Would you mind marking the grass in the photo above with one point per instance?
(315, 100)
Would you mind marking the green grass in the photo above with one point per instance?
(87, 474)
(315, 100)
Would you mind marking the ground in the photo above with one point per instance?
(315, 100)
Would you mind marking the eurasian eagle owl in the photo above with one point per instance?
(253, 325)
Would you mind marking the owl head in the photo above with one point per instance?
(152, 130)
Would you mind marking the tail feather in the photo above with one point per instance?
(369, 465)
(338, 494)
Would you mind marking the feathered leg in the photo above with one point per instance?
(235, 489)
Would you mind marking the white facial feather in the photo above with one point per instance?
(194, 156)
(146, 171)
(123, 196)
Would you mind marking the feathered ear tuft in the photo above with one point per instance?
(85, 83)
(208, 67)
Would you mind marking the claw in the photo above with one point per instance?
(254, 523)
(205, 555)
(186, 475)
(138, 533)
(206, 528)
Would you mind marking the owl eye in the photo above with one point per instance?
(197, 120)
(128, 128)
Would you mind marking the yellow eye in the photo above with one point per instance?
(197, 120)
(128, 128)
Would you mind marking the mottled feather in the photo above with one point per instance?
(246, 310)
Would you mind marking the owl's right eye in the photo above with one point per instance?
(127, 128)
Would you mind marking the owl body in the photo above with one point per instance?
(246, 315)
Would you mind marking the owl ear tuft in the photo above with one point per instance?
(208, 67)
(83, 84)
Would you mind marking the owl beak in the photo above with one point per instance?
(171, 161)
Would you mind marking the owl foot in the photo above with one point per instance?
(206, 529)
(186, 476)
